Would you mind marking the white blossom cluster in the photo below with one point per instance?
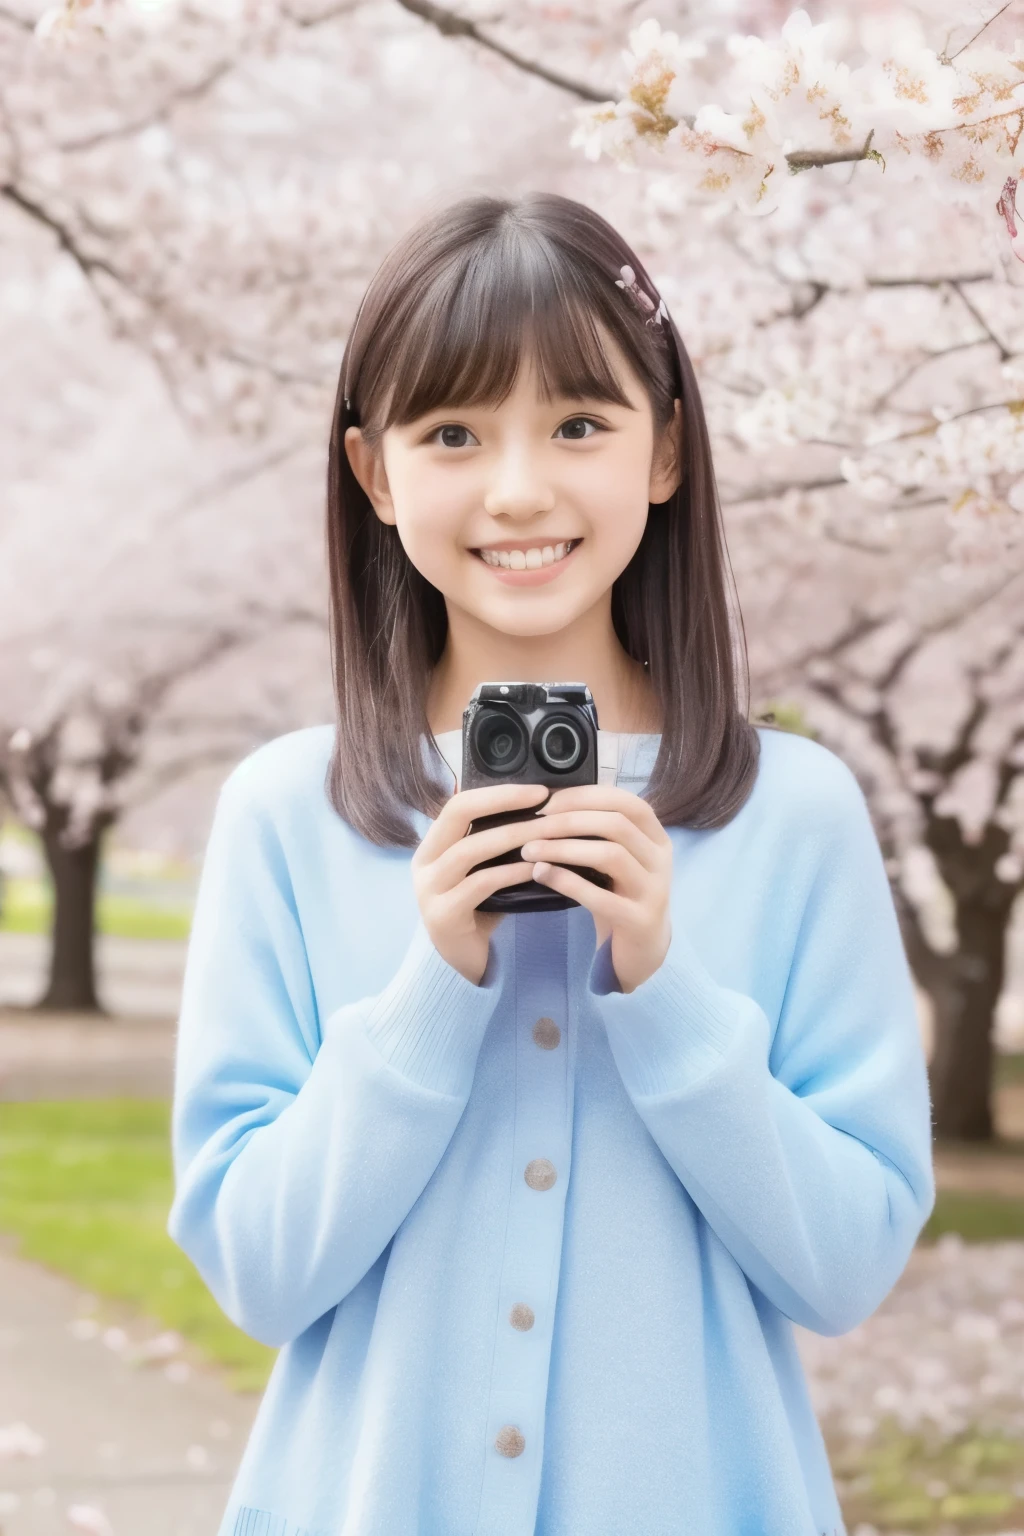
(976, 460)
(62, 26)
(896, 345)
(952, 676)
(850, 85)
(242, 222)
(81, 723)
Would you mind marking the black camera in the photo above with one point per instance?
(529, 733)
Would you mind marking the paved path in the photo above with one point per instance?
(63, 1055)
(79, 1056)
(137, 977)
(153, 1445)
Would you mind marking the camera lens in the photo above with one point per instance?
(559, 746)
(499, 742)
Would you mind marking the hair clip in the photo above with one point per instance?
(643, 301)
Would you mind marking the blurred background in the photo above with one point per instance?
(192, 201)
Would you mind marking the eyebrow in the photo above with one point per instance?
(554, 402)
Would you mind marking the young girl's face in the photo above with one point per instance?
(521, 475)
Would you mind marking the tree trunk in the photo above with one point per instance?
(964, 988)
(72, 983)
(964, 994)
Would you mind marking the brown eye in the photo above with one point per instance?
(572, 434)
(449, 435)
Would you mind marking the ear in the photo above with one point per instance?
(368, 468)
(667, 463)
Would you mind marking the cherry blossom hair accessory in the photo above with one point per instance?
(627, 281)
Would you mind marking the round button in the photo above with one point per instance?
(521, 1317)
(540, 1174)
(509, 1441)
(546, 1033)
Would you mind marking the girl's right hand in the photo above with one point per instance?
(447, 893)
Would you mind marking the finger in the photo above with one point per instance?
(609, 797)
(600, 903)
(611, 859)
(454, 864)
(484, 882)
(614, 826)
(453, 820)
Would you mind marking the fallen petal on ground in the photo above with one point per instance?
(88, 1519)
(18, 1440)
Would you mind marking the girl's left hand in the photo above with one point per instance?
(637, 854)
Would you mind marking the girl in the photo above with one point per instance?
(531, 1202)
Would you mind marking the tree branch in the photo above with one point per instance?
(945, 58)
(933, 426)
(451, 25)
(925, 282)
(768, 489)
(821, 290)
(797, 310)
(198, 88)
(345, 8)
(192, 92)
(89, 266)
(812, 159)
(1004, 351)
(86, 264)
(922, 362)
(862, 624)
(282, 375)
(16, 20)
(153, 781)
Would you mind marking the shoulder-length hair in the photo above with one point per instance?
(444, 323)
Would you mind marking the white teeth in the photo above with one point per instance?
(526, 559)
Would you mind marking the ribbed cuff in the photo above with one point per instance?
(674, 1028)
(429, 1022)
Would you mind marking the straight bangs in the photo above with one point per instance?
(446, 322)
(462, 340)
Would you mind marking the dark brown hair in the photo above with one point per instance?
(445, 322)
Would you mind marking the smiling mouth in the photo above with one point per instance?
(528, 560)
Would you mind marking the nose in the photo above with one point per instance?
(518, 487)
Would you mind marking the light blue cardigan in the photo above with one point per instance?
(533, 1248)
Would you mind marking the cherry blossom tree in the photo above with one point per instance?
(139, 650)
(891, 358)
(166, 209)
(892, 355)
(925, 699)
(824, 206)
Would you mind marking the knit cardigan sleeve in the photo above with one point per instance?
(296, 1157)
(804, 1140)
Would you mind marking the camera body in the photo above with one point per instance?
(529, 733)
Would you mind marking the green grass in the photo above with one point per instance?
(1008, 1070)
(922, 1482)
(978, 1218)
(28, 908)
(86, 1187)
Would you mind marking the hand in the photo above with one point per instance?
(447, 894)
(637, 854)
